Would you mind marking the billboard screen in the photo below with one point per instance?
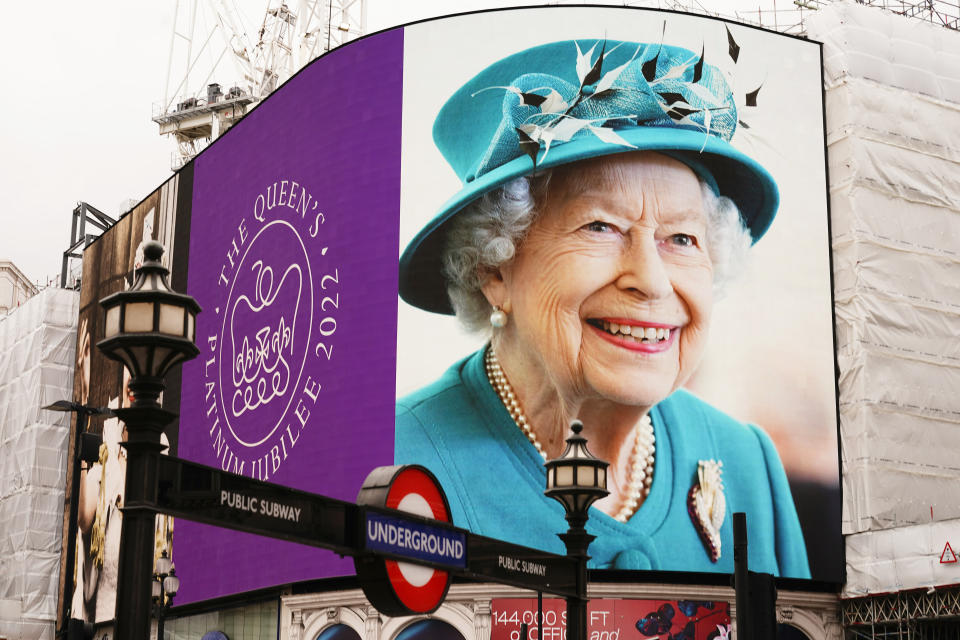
(589, 90)
(591, 163)
(296, 212)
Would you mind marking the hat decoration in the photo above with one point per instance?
(671, 88)
(545, 110)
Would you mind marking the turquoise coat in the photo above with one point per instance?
(494, 479)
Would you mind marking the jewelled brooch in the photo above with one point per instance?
(707, 505)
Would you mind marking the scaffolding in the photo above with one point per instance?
(938, 12)
(930, 614)
(88, 223)
(789, 17)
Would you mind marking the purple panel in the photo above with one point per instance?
(293, 257)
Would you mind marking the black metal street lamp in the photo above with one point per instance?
(86, 447)
(577, 479)
(149, 328)
(164, 587)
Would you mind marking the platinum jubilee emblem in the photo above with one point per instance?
(279, 299)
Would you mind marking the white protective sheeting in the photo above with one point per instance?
(893, 134)
(903, 558)
(37, 351)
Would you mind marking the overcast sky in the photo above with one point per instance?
(81, 79)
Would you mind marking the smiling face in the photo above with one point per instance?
(610, 293)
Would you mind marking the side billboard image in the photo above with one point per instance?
(442, 243)
(108, 267)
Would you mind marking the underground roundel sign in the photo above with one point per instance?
(394, 587)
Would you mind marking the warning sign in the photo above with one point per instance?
(948, 556)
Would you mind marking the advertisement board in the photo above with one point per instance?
(108, 267)
(288, 230)
(612, 619)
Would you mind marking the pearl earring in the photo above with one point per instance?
(498, 318)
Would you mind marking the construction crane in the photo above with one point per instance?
(198, 105)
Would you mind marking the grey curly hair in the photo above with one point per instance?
(488, 231)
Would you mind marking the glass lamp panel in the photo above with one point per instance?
(153, 282)
(584, 476)
(155, 589)
(171, 584)
(171, 320)
(191, 327)
(159, 283)
(551, 478)
(564, 476)
(138, 318)
(602, 476)
(163, 565)
(113, 322)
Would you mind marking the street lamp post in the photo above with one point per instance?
(577, 479)
(149, 329)
(164, 587)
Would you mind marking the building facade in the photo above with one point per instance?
(15, 288)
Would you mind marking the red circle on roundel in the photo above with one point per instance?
(426, 597)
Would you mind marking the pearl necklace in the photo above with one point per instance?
(641, 458)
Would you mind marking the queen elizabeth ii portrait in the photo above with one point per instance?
(603, 205)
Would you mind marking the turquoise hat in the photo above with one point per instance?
(567, 101)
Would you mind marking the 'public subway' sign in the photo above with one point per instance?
(400, 588)
(260, 506)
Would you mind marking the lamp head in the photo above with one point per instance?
(577, 478)
(149, 327)
(156, 589)
(171, 584)
(163, 565)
